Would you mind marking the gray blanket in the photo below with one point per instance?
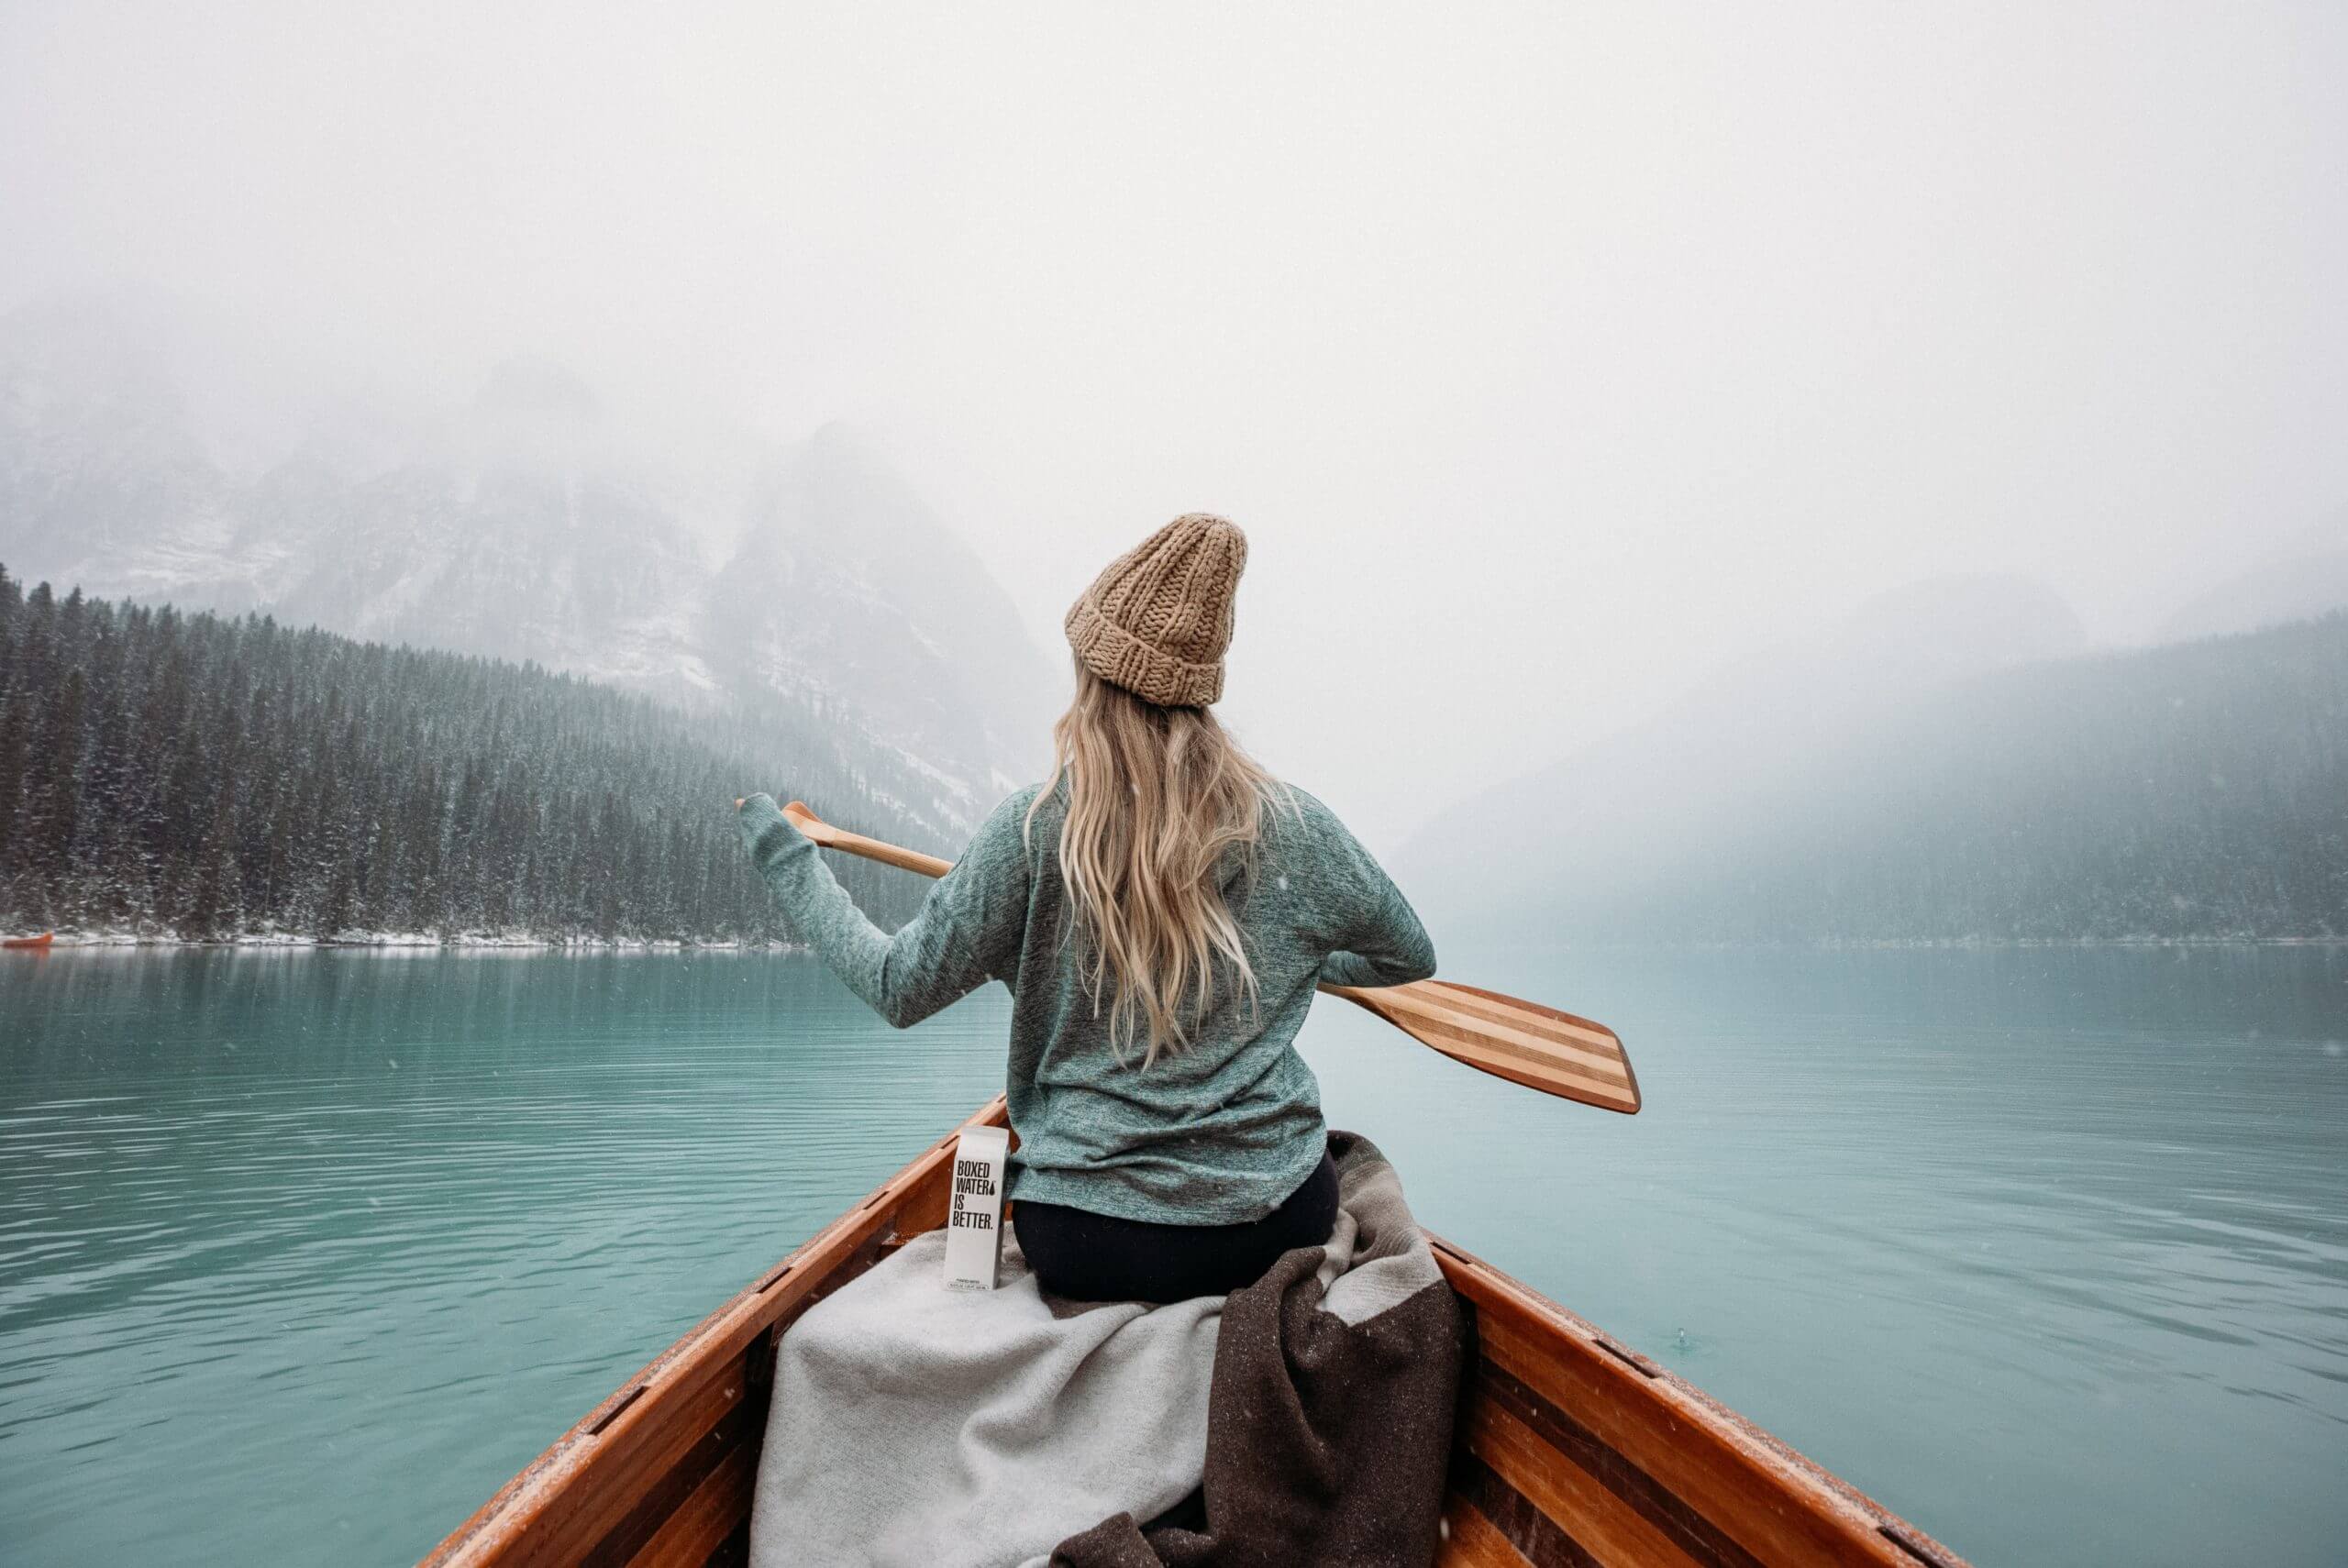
(1305, 1419)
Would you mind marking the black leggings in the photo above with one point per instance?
(1084, 1256)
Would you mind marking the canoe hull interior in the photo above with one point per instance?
(1570, 1449)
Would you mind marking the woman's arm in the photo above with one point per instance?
(1376, 936)
(970, 930)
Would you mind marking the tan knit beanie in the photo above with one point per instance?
(1158, 620)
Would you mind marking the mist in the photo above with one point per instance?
(1554, 362)
(1809, 541)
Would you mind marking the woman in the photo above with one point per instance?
(1161, 909)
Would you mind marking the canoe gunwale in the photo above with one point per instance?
(505, 1523)
(1862, 1529)
(1698, 1481)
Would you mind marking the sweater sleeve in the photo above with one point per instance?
(1376, 936)
(969, 931)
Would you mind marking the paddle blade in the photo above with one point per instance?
(1523, 1042)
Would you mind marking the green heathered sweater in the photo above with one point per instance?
(1217, 1135)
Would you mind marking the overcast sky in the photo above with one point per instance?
(1549, 358)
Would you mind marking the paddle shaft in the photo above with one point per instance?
(822, 833)
(1523, 1042)
(830, 837)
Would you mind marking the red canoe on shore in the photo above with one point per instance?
(43, 940)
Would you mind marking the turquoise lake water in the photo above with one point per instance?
(302, 1255)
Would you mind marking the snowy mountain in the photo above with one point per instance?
(1991, 781)
(101, 469)
(519, 540)
(516, 530)
(844, 580)
(1691, 787)
(2298, 587)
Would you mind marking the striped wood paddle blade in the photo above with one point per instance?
(1523, 1042)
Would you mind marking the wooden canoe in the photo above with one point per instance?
(42, 941)
(1571, 1449)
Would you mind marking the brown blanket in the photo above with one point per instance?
(1329, 1417)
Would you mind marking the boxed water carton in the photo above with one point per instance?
(974, 1216)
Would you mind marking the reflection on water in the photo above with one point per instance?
(301, 1254)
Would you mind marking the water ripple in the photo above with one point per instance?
(1982, 1232)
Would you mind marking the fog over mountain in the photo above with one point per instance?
(1683, 786)
(518, 525)
(809, 585)
(1950, 764)
(2297, 585)
(1551, 356)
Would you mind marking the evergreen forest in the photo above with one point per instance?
(211, 778)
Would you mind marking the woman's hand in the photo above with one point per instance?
(741, 802)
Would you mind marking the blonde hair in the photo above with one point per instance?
(1161, 803)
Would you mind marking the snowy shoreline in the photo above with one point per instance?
(491, 942)
(412, 941)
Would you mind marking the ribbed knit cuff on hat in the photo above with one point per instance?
(1157, 619)
(1119, 657)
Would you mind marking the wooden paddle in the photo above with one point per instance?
(1521, 1041)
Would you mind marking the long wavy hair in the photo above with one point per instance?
(1162, 808)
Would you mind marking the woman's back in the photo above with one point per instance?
(1162, 911)
(1214, 1132)
(1220, 1129)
